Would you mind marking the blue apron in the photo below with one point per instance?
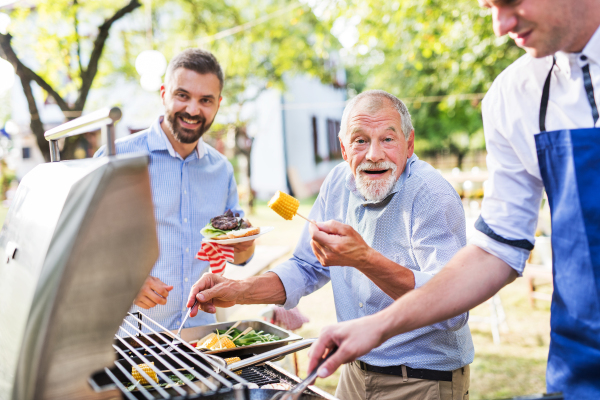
(569, 163)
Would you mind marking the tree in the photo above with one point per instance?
(427, 48)
(61, 55)
(65, 39)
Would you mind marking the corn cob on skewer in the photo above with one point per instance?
(147, 369)
(285, 205)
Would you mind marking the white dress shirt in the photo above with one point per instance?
(511, 120)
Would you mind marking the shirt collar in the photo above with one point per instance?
(590, 54)
(351, 182)
(157, 140)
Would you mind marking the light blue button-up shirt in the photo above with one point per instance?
(186, 195)
(420, 226)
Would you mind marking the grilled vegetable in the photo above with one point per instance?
(251, 337)
(284, 205)
(232, 360)
(177, 382)
(147, 369)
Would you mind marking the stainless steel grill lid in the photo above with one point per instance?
(79, 241)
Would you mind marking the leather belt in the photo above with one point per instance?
(428, 374)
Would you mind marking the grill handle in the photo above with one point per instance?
(103, 119)
(273, 354)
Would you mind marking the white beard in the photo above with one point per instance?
(375, 189)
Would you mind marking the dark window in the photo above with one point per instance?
(26, 153)
(333, 128)
(315, 134)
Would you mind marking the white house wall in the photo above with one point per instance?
(267, 158)
(306, 98)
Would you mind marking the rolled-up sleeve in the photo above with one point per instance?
(303, 273)
(438, 233)
(510, 207)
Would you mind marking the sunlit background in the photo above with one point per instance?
(290, 67)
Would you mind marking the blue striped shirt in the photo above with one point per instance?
(420, 226)
(186, 195)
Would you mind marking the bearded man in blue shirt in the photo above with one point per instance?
(191, 183)
(403, 222)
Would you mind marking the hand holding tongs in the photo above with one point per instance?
(296, 392)
(178, 336)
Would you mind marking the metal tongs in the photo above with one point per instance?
(177, 337)
(296, 392)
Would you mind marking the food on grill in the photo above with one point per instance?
(250, 385)
(176, 382)
(228, 226)
(277, 386)
(223, 343)
(232, 360)
(219, 340)
(284, 205)
(147, 369)
(209, 341)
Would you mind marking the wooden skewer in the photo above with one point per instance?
(246, 331)
(302, 216)
(233, 327)
(180, 369)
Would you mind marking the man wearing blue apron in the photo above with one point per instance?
(542, 133)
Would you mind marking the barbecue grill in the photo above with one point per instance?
(79, 240)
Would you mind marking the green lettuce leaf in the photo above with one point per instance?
(211, 232)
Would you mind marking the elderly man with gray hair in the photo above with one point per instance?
(392, 223)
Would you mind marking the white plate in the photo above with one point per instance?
(263, 230)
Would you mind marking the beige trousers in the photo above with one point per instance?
(356, 384)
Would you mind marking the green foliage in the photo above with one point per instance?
(55, 39)
(420, 48)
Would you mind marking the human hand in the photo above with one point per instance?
(335, 243)
(212, 291)
(353, 339)
(153, 292)
(242, 246)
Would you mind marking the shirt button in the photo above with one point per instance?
(186, 279)
(185, 192)
(187, 250)
(185, 220)
(360, 305)
(583, 58)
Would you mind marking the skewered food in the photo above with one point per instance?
(284, 205)
(232, 360)
(233, 337)
(148, 370)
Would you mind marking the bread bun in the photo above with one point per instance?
(243, 233)
(221, 237)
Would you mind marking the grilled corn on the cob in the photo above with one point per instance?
(232, 360)
(147, 369)
(284, 205)
(223, 343)
(209, 341)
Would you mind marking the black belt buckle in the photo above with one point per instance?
(428, 374)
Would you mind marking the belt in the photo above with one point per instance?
(428, 374)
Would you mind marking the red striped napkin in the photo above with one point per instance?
(216, 255)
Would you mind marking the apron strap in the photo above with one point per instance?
(545, 97)
(589, 89)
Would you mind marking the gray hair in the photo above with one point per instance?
(376, 102)
(197, 60)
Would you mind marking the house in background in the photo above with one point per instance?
(295, 137)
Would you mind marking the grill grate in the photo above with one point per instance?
(259, 375)
(181, 361)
